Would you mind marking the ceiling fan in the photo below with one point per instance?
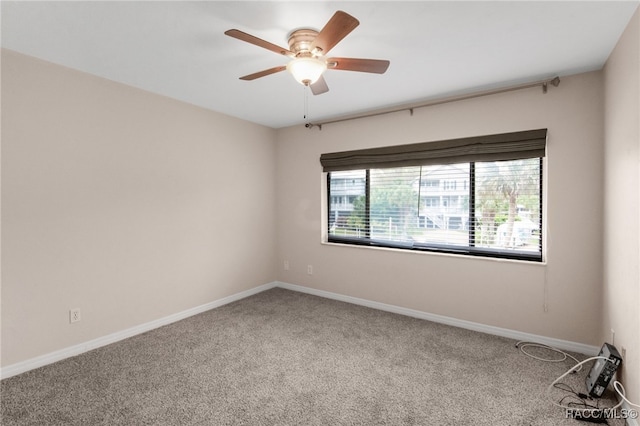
(309, 48)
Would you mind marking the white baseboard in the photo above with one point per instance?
(469, 325)
(59, 355)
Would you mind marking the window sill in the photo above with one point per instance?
(543, 262)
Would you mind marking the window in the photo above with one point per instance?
(450, 184)
(491, 207)
(430, 183)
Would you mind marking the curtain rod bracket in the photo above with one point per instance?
(555, 83)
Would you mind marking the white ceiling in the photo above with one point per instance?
(436, 48)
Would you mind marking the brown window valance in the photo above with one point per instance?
(505, 146)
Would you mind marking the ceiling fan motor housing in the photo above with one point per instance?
(300, 42)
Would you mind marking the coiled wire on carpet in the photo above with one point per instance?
(524, 344)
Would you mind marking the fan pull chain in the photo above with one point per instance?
(306, 102)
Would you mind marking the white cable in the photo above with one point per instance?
(622, 393)
(523, 344)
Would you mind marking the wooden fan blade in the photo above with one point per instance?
(319, 87)
(240, 35)
(336, 29)
(377, 66)
(263, 73)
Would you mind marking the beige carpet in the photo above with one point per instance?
(287, 358)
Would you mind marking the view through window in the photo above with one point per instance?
(477, 208)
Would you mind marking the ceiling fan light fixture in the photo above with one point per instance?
(306, 70)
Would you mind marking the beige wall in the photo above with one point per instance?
(123, 204)
(508, 294)
(622, 202)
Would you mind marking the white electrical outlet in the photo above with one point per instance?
(310, 269)
(623, 353)
(286, 265)
(74, 315)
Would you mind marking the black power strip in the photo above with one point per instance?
(603, 370)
